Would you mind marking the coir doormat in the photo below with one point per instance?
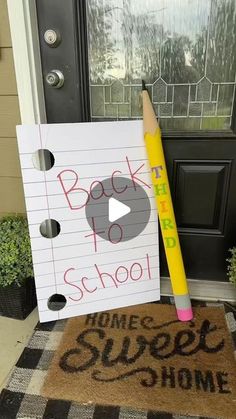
(144, 358)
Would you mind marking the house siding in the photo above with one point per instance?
(11, 188)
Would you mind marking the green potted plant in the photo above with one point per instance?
(231, 268)
(17, 286)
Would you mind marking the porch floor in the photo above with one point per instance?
(14, 335)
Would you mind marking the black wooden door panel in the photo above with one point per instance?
(203, 182)
(200, 191)
(70, 102)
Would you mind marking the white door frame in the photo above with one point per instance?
(26, 50)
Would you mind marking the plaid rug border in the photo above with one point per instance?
(21, 398)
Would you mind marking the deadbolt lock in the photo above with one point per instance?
(52, 38)
(55, 78)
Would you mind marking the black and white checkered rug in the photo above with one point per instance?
(21, 398)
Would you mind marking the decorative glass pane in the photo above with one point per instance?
(209, 109)
(195, 109)
(214, 92)
(193, 92)
(159, 91)
(183, 49)
(203, 90)
(181, 100)
(165, 110)
(117, 92)
(111, 111)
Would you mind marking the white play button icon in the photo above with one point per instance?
(102, 213)
(117, 210)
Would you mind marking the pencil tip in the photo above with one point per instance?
(143, 85)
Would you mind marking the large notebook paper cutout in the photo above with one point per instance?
(65, 264)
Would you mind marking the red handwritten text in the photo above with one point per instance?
(83, 195)
(135, 272)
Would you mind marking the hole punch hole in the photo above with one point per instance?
(43, 159)
(56, 302)
(49, 228)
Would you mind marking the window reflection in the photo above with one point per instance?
(184, 49)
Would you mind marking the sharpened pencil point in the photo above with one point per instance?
(143, 85)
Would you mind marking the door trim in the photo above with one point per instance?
(211, 291)
(26, 52)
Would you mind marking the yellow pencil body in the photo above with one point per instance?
(166, 212)
(152, 137)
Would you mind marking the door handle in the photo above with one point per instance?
(55, 78)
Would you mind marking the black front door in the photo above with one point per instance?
(185, 51)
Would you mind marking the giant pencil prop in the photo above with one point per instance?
(152, 137)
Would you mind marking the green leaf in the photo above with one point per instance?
(231, 268)
(15, 251)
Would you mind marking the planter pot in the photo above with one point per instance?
(18, 302)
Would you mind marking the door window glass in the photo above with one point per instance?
(183, 49)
